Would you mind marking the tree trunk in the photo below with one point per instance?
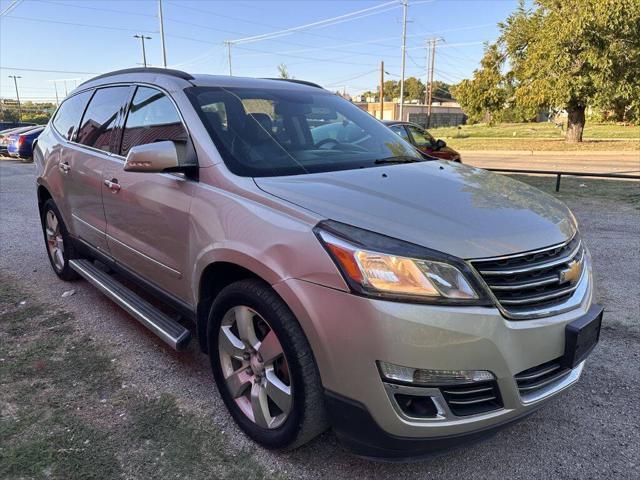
(575, 123)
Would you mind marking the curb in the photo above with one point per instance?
(555, 153)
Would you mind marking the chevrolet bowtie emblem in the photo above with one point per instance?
(572, 273)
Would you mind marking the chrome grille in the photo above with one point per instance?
(473, 398)
(533, 281)
(533, 379)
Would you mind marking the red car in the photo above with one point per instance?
(422, 140)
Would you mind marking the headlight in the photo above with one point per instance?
(376, 265)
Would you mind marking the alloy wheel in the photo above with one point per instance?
(254, 367)
(55, 243)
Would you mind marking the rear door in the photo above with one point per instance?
(83, 159)
(148, 213)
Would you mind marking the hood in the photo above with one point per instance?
(449, 207)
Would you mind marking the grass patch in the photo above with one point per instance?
(542, 145)
(592, 131)
(574, 188)
(65, 414)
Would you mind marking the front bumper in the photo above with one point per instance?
(348, 334)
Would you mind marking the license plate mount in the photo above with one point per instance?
(581, 336)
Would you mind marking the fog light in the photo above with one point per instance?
(421, 376)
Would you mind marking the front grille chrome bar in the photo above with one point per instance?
(536, 266)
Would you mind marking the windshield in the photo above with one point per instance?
(285, 131)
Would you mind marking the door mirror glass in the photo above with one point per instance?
(440, 144)
(152, 157)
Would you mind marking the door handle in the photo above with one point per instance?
(64, 167)
(113, 185)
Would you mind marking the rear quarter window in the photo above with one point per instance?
(68, 115)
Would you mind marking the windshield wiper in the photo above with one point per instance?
(397, 159)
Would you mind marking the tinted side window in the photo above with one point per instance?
(421, 137)
(99, 120)
(68, 116)
(399, 129)
(153, 118)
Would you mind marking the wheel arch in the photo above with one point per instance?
(216, 276)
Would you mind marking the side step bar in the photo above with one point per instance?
(170, 331)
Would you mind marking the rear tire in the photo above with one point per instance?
(302, 416)
(60, 248)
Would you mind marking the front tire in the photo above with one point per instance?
(60, 248)
(264, 367)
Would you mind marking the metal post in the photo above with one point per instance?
(144, 53)
(404, 51)
(229, 56)
(162, 43)
(430, 101)
(382, 90)
(15, 82)
(559, 176)
(55, 85)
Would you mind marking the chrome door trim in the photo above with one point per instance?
(173, 271)
(84, 222)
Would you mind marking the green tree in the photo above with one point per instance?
(413, 89)
(574, 54)
(488, 91)
(442, 90)
(569, 54)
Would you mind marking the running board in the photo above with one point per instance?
(170, 331)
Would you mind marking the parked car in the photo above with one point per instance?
(7, 125)
(4, 135)
(333, 281)
(21, 144)
(423, 141)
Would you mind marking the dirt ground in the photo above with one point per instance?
(86, 392)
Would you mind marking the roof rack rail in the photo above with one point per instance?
(293, 80)
(164, 71)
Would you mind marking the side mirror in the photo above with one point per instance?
(152, 157)
(440, 144)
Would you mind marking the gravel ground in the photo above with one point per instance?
(592, 431)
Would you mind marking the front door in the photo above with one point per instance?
(148, 213)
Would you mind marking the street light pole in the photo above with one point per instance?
(164, 51)
(405, 4)
(15, 82)
(144, 53)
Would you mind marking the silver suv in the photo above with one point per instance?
(333, 274)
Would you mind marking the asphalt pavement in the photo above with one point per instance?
(591, 431)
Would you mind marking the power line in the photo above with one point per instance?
(99, 9)
(104, 27)
(321, 23)
(21, 69)
(11, 7)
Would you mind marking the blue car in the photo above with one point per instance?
(21, 144)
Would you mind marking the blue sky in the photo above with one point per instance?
(95, 36)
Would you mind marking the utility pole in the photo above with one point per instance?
(55, 85)
(426, 78)
(228, 44)
(164, 50)
(15, 82)
(382, 90)
(144, 53)
(430, 99)
(405, 5)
